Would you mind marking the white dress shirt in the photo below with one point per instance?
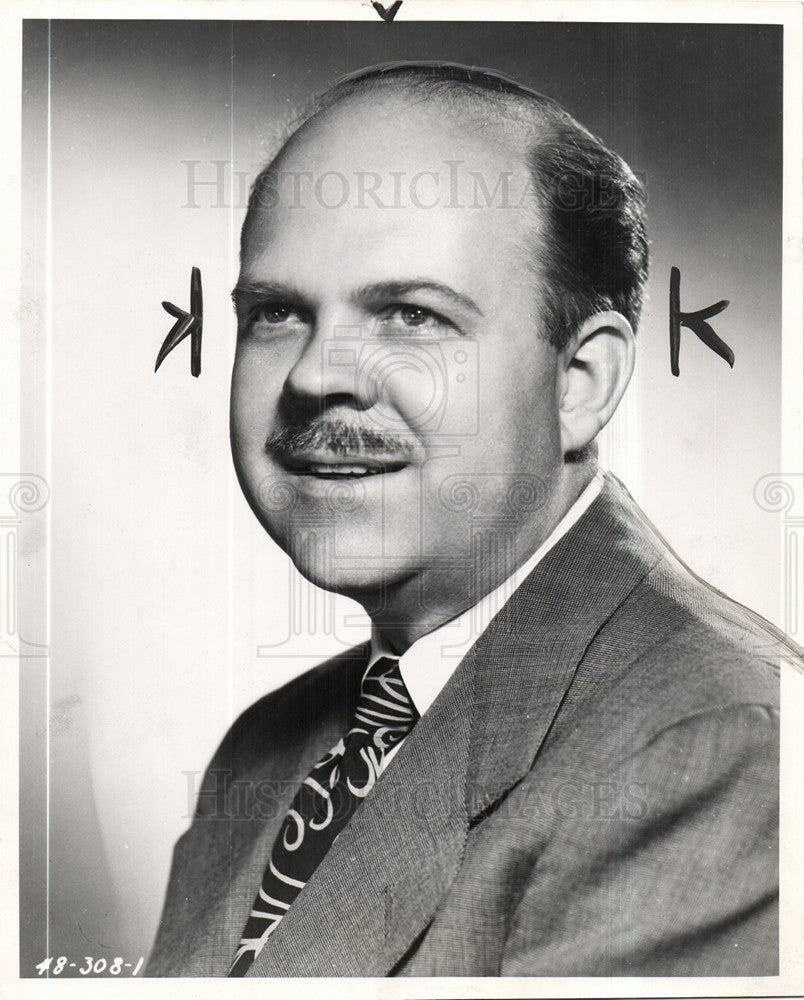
(429, 662)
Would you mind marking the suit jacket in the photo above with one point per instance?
(594, 792)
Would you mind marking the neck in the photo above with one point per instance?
(411, 607)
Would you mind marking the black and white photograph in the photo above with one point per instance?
(403, 508)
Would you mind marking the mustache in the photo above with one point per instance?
(337, 437)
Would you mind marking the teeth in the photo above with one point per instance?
(339, 470)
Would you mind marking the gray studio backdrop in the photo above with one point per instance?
(164, 607)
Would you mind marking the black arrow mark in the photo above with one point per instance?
(187, 323)
(387, 15)
(695, 321)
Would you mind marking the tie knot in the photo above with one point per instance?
(385, 713)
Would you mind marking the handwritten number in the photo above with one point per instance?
(94, 965)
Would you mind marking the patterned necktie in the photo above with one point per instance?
(326, 800)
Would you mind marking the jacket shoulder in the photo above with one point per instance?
(720, 651)
(674, 650)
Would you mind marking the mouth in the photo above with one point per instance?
(323, 466)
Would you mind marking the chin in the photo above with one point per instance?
(329, 561)
(349, 581)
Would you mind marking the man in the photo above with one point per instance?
(558, 753)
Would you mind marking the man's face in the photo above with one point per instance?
(394, 410)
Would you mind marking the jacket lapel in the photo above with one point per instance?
(384, 877)
(529, 654)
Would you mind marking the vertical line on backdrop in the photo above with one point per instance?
(230, 491)
(48, 469)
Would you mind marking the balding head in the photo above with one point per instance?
(581, 206)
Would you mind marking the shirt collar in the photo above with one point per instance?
(428, 663)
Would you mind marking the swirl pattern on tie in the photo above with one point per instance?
(326, 800)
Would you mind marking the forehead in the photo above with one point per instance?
(400, 179)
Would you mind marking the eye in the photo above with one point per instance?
(417, 318)
(274, 313)
(414, 315)
(273, 318)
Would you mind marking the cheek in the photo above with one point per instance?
(528, 428)
(412, 387)
(256, 386)
(518, 388)
(434, 388)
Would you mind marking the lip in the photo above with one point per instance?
(326, 465)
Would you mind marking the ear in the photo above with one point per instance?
(597, 368)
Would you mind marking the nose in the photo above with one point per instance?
(328, 369)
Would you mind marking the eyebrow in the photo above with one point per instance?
(365, 294)
(401, 289)
(266, 289)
